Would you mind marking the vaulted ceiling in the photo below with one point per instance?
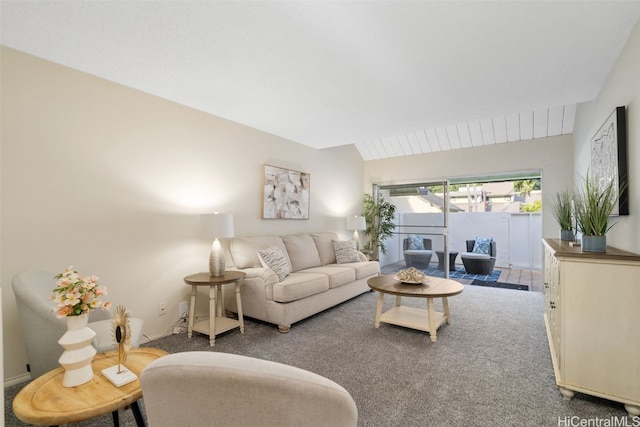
(394, 78)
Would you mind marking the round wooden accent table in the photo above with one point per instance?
(427, 320)
(217, 322)
(45, 401)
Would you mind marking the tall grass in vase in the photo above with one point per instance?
(562, 207)
(594, 205)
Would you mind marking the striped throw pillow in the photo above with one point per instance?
(345, 251)
(273, 258)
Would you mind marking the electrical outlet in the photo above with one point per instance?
(183, 309)
(162, 309)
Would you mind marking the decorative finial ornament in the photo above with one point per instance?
(119, 375)
(121, 334)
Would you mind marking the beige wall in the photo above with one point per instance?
(552, 156)
(622, 88)
(113, 180)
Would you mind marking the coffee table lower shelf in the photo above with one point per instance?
(414, 318)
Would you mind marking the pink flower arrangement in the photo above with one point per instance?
(76, 295)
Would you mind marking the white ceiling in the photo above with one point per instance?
(392, 77)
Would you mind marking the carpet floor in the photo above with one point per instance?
(490, 367)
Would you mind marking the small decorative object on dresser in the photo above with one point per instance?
(594, 204)
(563, 212)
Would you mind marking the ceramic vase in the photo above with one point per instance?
(78, 351)
(567, 235)
(594, 243)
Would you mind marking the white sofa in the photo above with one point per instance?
(316, 281)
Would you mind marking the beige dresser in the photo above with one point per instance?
(593, 321)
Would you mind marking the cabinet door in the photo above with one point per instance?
(553, 278)
(601, 321)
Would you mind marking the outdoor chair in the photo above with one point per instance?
(418, 258)
(477, 263)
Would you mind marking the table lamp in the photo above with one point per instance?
(356, 223)
(220, 226)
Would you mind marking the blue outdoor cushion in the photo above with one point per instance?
(415, 242)
(482, 245)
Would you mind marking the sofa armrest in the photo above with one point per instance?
(266, 274)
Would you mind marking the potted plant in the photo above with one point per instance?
(594, 205)
(562, 211)
(379, 215)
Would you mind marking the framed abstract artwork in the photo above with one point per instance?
(609, 157)
(285, 193)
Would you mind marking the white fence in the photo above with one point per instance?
(517, 235)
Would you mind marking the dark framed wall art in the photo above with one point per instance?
(609, 157)
(285, 193)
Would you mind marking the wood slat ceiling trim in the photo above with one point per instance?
(539, 123)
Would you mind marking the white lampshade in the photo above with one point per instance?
(218, 226)
(356, 222)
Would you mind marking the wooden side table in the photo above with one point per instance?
(45, 401)
(452, 260)
(217, 322)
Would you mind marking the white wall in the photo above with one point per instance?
(552, 156)
(622, 87)
(113, 181)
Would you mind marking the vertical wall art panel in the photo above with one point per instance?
(285, 194)
(609, 157)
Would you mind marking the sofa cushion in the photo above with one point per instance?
(324, 244)
(244, 250)
(346, 251)
(362, 268)
(482, 245)
(473, 255)
(338, 276)
(300, 285)
(302, 251)
(415, 242)
(273, 258)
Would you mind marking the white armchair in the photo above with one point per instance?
(205, 389)
(42, 329)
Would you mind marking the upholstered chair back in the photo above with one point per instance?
(204, 388)
(426, 243)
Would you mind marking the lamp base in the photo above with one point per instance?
(216, 262)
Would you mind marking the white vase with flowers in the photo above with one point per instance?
(75, 297)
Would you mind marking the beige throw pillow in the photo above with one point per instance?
(274, 259)
(346, 251)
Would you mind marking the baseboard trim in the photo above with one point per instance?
(17, 380)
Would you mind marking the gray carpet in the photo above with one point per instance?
(490, 367)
